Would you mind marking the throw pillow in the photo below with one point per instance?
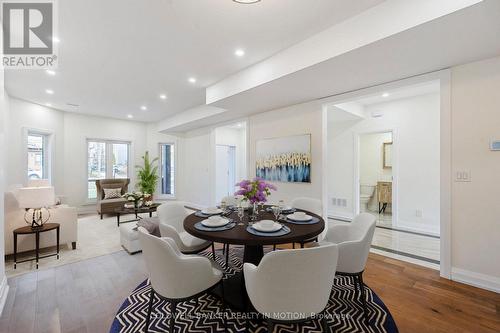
(112, 193)
(152, 225)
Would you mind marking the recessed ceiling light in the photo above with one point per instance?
(246, 2)
(239, 53)
(239, 125)
(192, 80)
(49, 91)
(385, 95)
(50, 72)
(48, 104)
(144, 108)
(55, 40)
(129, 116)
(163, 96)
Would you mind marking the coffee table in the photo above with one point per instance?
(136, 211)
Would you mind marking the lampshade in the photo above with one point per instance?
(36, 197)
(38, 183)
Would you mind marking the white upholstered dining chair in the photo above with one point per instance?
(171, 216)
(176, 277)
(312, 205)
(282, 286)
(354, 241)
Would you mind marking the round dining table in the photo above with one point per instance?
(234, 286)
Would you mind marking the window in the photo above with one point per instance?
(106, 159)
(167, 169)
(38, 159)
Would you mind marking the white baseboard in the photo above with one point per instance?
(479, 280)
(345, 216)
(415, 227)
(4, 291)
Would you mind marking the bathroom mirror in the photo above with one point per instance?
(387, 155)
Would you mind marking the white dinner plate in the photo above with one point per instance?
(212, 212)
(276, 226)
(298, 218)
(215, 223)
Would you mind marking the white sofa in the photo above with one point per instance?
(14, 218)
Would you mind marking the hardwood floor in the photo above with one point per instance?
(421, 301)
(84, 297)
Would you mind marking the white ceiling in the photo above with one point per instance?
(117, 55)
(355, 109)
(464, 36)
(400, 93)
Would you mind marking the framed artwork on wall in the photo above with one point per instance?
(284, 159)
(387, 155)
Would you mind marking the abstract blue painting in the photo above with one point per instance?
(284, 159)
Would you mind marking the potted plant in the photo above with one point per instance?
(147, 176)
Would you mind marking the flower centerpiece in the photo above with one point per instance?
(255, 191)
(135, 197)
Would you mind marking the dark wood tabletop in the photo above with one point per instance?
(29, 230)
(240, 236)
(142, 209)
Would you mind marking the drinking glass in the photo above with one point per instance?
(281, 205)
(223, 206)
(241, 212)
(277, 212)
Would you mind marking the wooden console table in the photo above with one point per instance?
(28, 230)
(384, 195)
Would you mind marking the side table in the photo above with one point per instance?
(28, 230)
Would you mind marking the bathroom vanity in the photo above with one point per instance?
(384, 195)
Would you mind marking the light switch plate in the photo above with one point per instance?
(463, 176)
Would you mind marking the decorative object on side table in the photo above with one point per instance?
(35, 201)
(147, 176)
(255, 191)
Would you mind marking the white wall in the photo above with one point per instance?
(475, 208)
(79, 128)
(416, 124)
(237, 138)
(371, 159)
(195, 171)
(4, 116)
(303, 118)
(70, 132)
(28, 115)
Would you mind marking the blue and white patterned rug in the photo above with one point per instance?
(344, 311)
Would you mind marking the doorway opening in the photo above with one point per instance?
(230, 158)
(375, 176)
(384, 159)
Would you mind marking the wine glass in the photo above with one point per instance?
(223, 206)
(277, 212)
(241, 212)
(281, 205)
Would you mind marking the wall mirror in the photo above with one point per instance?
(387, 155)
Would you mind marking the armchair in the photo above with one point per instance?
(108, 206)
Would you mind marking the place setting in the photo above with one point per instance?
(268, 228)
(301, 218)
(208, 212)
(215, 223)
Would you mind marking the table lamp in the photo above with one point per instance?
(35, 201)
